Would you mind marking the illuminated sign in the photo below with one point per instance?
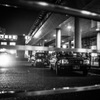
(11, 37)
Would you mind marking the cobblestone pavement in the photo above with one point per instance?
(30, 78)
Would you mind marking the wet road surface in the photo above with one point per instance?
(40, 78)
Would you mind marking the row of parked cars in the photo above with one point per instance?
(63, 61)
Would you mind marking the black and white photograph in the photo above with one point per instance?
(49, 49)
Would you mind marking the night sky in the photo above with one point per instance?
(17, 20)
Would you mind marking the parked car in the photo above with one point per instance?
(69, 62)
(41, 59)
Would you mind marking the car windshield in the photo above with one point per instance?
(49, 47)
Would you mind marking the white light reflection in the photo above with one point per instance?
(11, 91)
(88, 13)
(38, 34)
(69, 27)
(3, 92)
(94, 14)
(54, 35)
(6, 5)
(85, 12)
(66, 88)
(3, 69)
(54, 88)
(43, 3)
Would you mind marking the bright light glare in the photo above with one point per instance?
(37, 34)
(12, 51)
(2, 50)
(69, 27)
(54, 35)
(64, 46)
(86, 12)
(43, 3)
(5, 60)
(3, 69)
(6, 5)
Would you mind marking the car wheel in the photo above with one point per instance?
(32, 65)
(58, 71)
(51, 68)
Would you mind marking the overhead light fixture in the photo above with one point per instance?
(64, 46)
(45, 40)
(23, 34)
(54, 35)
(63, 41)
(69, 27)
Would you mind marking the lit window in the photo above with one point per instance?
(3, 43)
(1, 36)
(15, 37)
(6, 36)
(10, 36)
(12, 43)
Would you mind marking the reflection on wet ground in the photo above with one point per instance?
(32, 78)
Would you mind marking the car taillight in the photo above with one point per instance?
(38, 60)
(86, 61)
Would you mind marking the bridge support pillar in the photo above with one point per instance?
(58, 37)
(77, 33)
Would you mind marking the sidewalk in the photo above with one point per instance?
(95, 69)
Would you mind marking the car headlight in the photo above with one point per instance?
(5, 60)
(63, 62)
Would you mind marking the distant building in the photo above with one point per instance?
(13, 40)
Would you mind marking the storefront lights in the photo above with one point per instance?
(15, 37)
(12, 43)
(10, 37)
(6, 36)
(3, 43)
